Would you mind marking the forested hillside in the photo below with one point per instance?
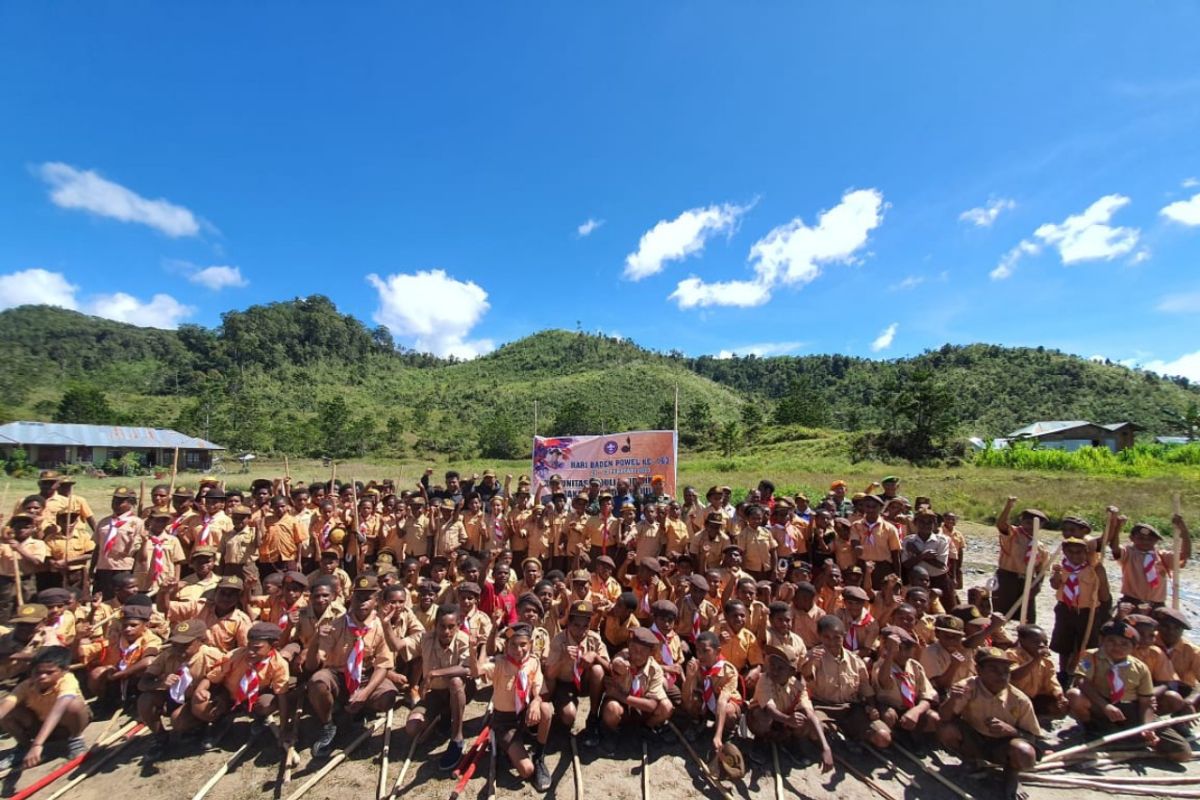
(299, 377)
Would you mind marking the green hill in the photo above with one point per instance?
(299, 377)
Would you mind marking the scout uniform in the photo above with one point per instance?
(758, 546)
(1077, 588)
(1144, 573)
(242, 680)
(281, 540)
(224, 633)
(566, 673)
(1010, 705)
(738, 647)
(909, 686)
(837, 680)
(1040, 684)
(156, 558)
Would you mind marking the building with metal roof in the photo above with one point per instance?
(50, 444)
(1073, 434)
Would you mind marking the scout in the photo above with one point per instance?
(227, 623)
(21, 552)
(986, 718)
(903, 694)
(948, 661)
(18, 646)
(1185, 656)
(841, 688)
(1114, 690)
(204, 577)
(862, 630)
(1033, 672)
(757, 543)
(879, 540)
(240, 547)
(349, 664)
(158, 555)
(280, 538)
(619, 623)
(1016, 548)
(517, 702)
(710, 689)
(1144, 567)
(253, 678)
(576, 664)
(1076, 583)
(648, 587)
(116, 664)
(634, 691)
(780, 710)
(445, 682)
(59, 625)
(670, 649)
(167, 685)
(48, 704)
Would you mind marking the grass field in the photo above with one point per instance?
(975, 493)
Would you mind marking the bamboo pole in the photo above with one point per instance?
(130, 732)
(383, 760)
(1176, 570)
(1041, 576)
(1101, 784)
(778, 772)
(222, 771)
(1109, 532)
(870, 782)
(141, 496)
(1097, 759)
(412, 748)
(645, 774)
(1029, 567)
(576, 768)
(704, 770)
(358, 554)
(931, 773)
(336, 760)
(1117, 736)
(174, 474)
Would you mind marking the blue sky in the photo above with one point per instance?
(866, 178)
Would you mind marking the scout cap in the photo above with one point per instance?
(160, 513)
(854, 593)
(31, 614)
(606, 561)
(714, 518)
(870, 498)
(53, 597)
(534, 561)
(581, 575)
(188, 631)
(263, 632)
(240, 510)
(1037, 512)
(1172, 616)
(925, 513)
(1141, 619)
(698, 582)
(530, 600)
(1074, 540)
(1147, 528)
(66, 479)
(1078, 521)
(731, 548)
(890, 479)
(447, 504)
(183, 491)
(470, 587)
(49, 475)
(837, 485)
(135, 611)
(650, 564)
(643, 636)
(123, 493)
(712, 490)
(1118, 627)
(580, 608)
(21, 519)
(665, 607)
(295, 576)
(215, 493)
(985, 655)
(366, 583)
(204, 551)
(944, 623)
(520, 629)
(895, 630)
(230, 582)
(784, 651)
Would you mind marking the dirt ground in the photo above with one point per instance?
(671, 774)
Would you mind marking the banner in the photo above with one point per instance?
(578, 459)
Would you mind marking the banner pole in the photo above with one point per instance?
(535, 417)
(677, 409)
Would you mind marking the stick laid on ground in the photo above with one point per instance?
(383, 757)
(704, 770)
(931, 773)
(130, 732)
(412, 748)
(575, 768)
(336, 760)
(222, 770)
(645, 774)
(1117, 736)
(778, 773)
(863, 777)
(1104, 785)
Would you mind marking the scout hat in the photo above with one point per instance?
(49, 475)
(160, 513)
(1146, 527)
(531, 560)
(31, 614)
(215, 493)
(580, 608)
(66, 479)
(698, 582)
(784, 651)
(53, 597)
(581, 575)
(895, 630)
(643, 636)
(714, 518)
(124, 493)
(295, 576)
(188, 631)
(729, 762)
(664, 607)
(732, 548)
(183, 491)
(925, 513)
(890, 479)
(870, 498)
(712, 490)
(1137, 620)
(837, 485)
(1118, 627)
(854, 593)
(136, 611)
(240, 510)
(1074, 540)
(470, 587)
(606, 561)
(944, 623)
(530, 600)
(650, 564)
(520, 629)
(204, 551)
(992, 654)
(1036, 512)
(230, 582)
(1077, 521)
(1172, 616)
(263, 632)
(20, 520)
(366, 583)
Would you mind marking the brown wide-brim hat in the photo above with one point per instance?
(729, 763)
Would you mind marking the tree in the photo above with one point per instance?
(804, 404)
(919, 412)
(86, 405)
(752, 420)
(502, 436)
(729, 438)
(572, 418)
(665, 419)
(697, 423)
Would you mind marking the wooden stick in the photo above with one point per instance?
(1117, 736)
(863, 777)
(489, 789)
(1100, 784)
(101, 739)
(358, 554)
(645, 774)
(221, 772)
(1033, 553)
(174, 472)
(130, 732)
(141, 496)
(931, 773)
(1041, 576)
(338, 759)
(778, 772)
(1095, 760)
(576, 768)
(1176, 572)
(704, 770)
(412, 748)
(383, 761)
(17, 579)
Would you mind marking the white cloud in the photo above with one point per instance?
(692, 292)
(37, 287)
(163, 311)
(793, 253)
(435, 310)
(85, 190)
(762, 349)
(911, 282)
(1190, 183)
(1187, 365)
(884, 340)
(1185, 212)
(1140, 257)
(218, 277)
(674, 240)
(1008, 262)
(985, 216)
(589, 226)
(1182, 303)
(1088, 236)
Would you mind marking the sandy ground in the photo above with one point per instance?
(671, 774)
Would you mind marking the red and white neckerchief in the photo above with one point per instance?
(158, 557)
(178, 692)
(710, 689)
(128, 654)
(520, 686)
(326, 530)
(1150, 568)
(852, 630)
(577, 668)
(664, 652)
(249, 683)
(202, 536)
(287, 616)
(637, 686)
(354, 658)
(362, 531)
(1071, 587)
(1116, 685)
(696, 623)
(1028, 547)
(175, 523)
(604, 533)
(644, 599)
(871, 526)
(465, 625)
(908, 688)
(114, 529)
